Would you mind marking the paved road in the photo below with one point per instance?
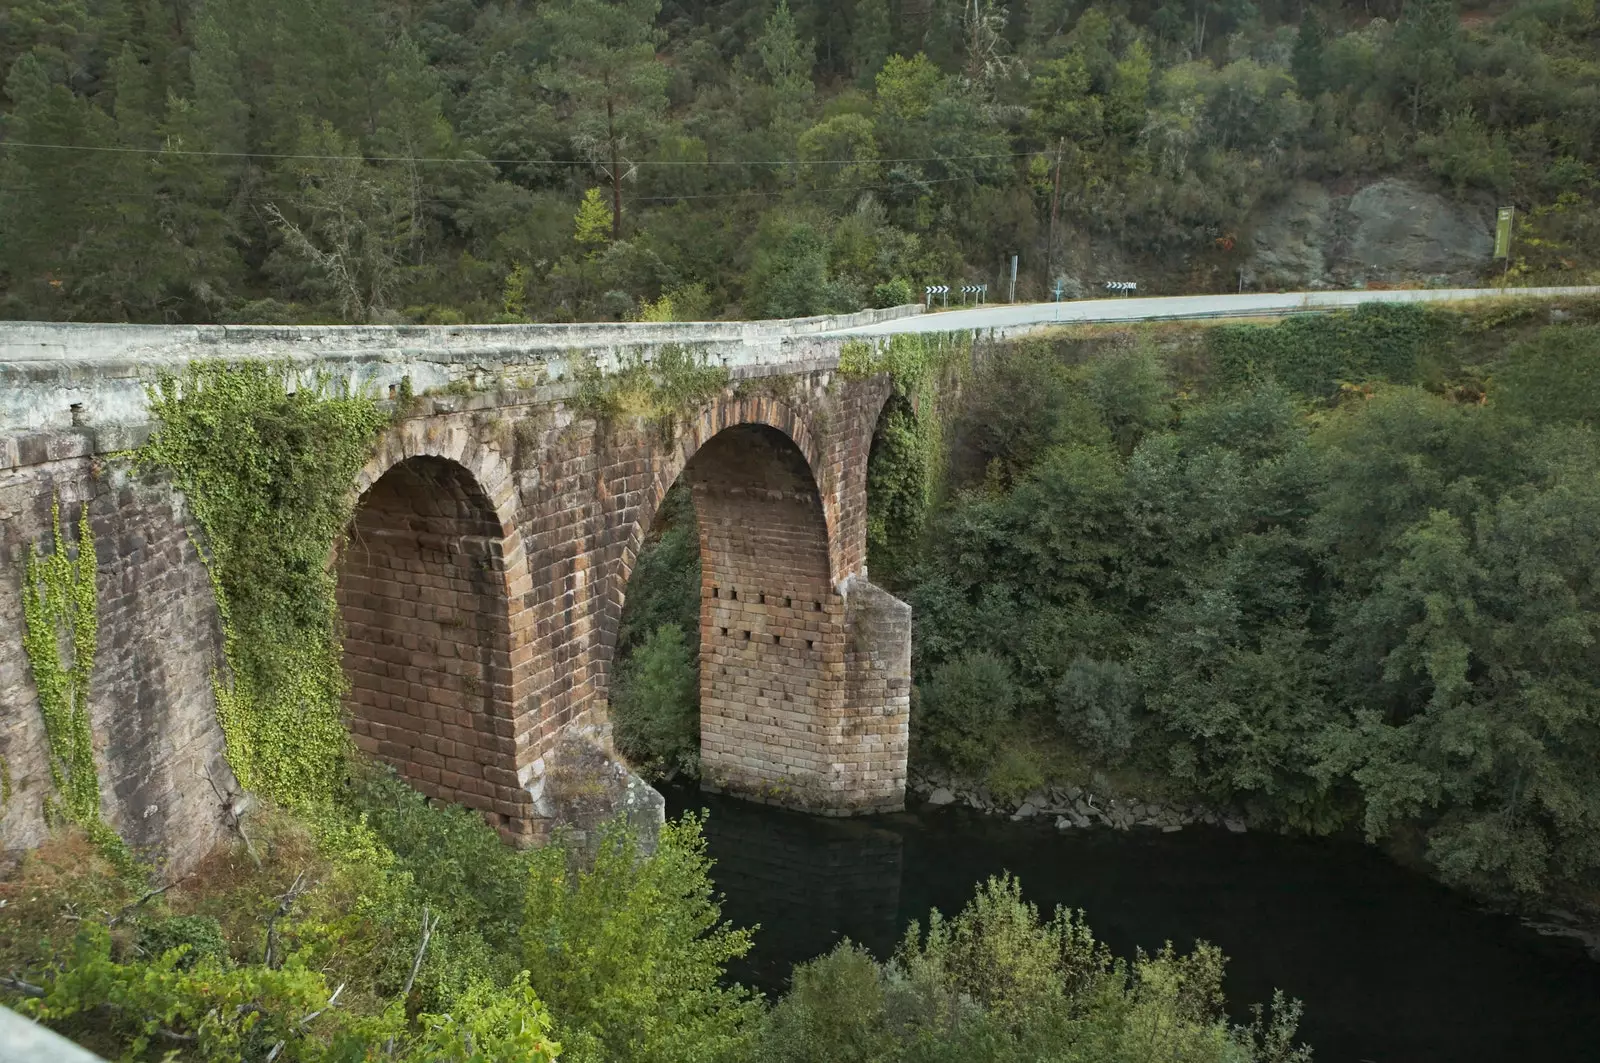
(1021, 317)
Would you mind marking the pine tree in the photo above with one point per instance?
(871, 39)
(612, 85)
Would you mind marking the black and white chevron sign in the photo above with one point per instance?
(937, 289)
(1122, 286)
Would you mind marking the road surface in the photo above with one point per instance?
(1021, 317)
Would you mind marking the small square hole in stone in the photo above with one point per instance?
(787, 602)
(777, 640)
(734, 594)
(816, 607)
(724, 631)
(810, 645)
(716, 592)
(761, 599)
(747, 636)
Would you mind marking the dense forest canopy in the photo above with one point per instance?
(355, 160)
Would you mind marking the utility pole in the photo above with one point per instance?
(1013, 278)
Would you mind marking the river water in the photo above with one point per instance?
(1391, 966)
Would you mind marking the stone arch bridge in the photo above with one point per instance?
(484, 576)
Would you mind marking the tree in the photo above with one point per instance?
(594, 223)
(1307, 60)
(612, 86)
(871, 39)
(786, 60)
(1420, 59)
(345, 227)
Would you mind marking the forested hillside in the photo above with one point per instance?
(448, 160)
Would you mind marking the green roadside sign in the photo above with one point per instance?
(1502, 233)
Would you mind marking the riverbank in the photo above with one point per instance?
(1071, 807)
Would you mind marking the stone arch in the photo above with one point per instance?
(772, 647)
(707, 425)
(432, 585)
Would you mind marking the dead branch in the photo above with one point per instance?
(234, 807)
(428, 927)
(294, 1031)
(285, 904)
(140, 903)
(17, 985)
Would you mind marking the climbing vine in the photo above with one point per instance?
(664, 390)
(905, 472)
(59, 611)
(266, 467)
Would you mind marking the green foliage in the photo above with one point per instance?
(267, 469)
(1363, 608)
(615, 955)
(199, 936)
(965, 709)
(788, 158)
(1001, 984)
(896, 292)
(1098, 700)
(655, 689)
(655, 704)
(899, 491)
(664, 390)
(593, 222)
(59, 607)
(1549, 377)
(1314, 354)
(629, 953)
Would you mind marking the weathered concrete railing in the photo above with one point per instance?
(57, 375)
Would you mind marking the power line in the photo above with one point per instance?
(497, 162)
(114, 194)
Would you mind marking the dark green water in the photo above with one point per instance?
(1392, 967)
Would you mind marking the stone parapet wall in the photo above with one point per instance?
(56, 375)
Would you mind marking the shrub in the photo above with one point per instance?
(200, 937)
(897, 292)
(1095, 702)
(1129, 390)
(656, 703)
(1014, 773)
(966, 708)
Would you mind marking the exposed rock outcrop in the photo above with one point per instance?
(1391, 231)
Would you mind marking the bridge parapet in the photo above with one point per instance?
(47, 368)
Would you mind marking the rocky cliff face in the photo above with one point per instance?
(1387, 232)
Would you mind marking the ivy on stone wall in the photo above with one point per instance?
(59, 612)
(905, 472)
(664, 390)
(266, 464)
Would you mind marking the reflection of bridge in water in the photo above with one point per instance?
(810, 882)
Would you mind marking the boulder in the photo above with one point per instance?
(1394, 230)
(941, 797)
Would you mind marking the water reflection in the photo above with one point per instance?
(1392, 967)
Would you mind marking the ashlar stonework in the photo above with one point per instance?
(481, 588)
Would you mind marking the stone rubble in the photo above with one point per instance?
(1070, 807)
